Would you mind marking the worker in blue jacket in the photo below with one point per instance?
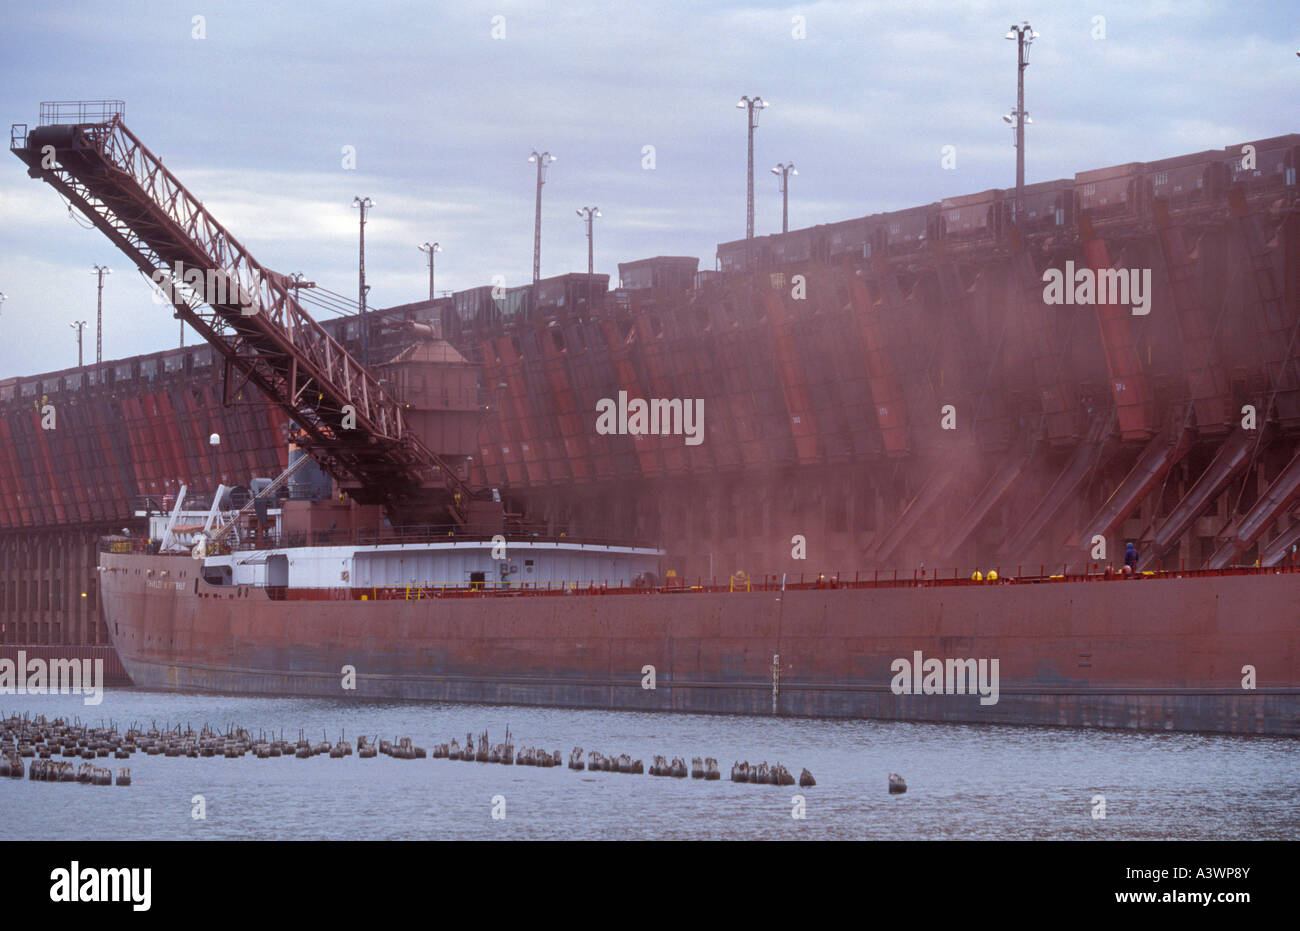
(1130, 559)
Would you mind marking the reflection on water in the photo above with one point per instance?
(964, 781)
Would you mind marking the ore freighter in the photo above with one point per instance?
(596, 627)
(394, 571)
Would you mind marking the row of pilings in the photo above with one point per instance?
(706, 768)
(44, 740)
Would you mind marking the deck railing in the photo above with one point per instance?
(771, 584)
(81, 111)
(738, 583)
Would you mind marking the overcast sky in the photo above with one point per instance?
(254, 117)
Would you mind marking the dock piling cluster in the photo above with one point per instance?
(24, 736)
(705, 769)
(594, 761)
(41, 740)
(762, 774)
(598, 762)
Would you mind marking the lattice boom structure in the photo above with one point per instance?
(345, 421)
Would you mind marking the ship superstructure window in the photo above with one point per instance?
(217, 575)
(277, 571)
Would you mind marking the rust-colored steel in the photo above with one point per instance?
(1077, 469)
(569, 417)
(251, 316)
(1277, 319)
(886, 394)
(1159, 456)
(110, 447)
(970, 375)
(1230, 459)
(798, 409)
(1279, 497)
(623, 374)
(893, 319)
(500, 458)
(1128, 382)
(1207, 382)
(988, 497)
(1056, 394)
(713, 650)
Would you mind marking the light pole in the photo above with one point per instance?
(3, 297)
(543, 160)
(365, 203)
(1023, 35)
(754, 106)
(588, 214)
(297, 284)
(783, 173)
(78, 325)
(101, 271)
(430, 248)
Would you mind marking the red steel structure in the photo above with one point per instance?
(345, 420)
(866, 357)
(775, 647)
(1128, 382)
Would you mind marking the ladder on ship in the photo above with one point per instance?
(345, 421)
(230, 525)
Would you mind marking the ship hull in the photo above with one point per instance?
(1151, 654)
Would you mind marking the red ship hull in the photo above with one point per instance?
(1160, 653)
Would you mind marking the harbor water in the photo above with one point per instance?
(964, 781)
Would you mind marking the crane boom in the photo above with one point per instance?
(344, 420)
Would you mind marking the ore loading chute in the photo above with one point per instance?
(342, 417)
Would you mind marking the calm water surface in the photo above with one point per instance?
(964, 781)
